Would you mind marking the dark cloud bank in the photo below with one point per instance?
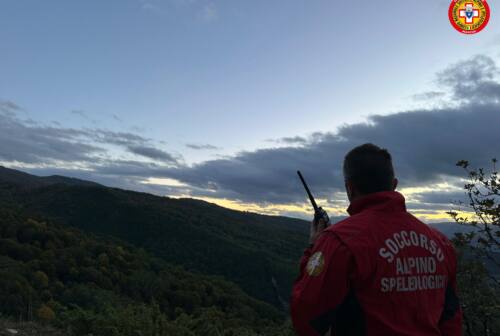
(425, 145)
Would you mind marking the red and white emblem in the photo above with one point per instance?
(469, 16)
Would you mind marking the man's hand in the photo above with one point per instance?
(320, 222)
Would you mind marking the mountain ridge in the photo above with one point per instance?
(246, 248)
(258, 252)
(27, 180)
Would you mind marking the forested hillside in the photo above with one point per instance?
(254, 251)
(89, 259)
(91, 285)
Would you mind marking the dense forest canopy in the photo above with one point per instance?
(91, 285)
(257, 252)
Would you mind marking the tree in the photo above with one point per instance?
(41, 280)
(45, 313)
(106, 287)
(479, 251)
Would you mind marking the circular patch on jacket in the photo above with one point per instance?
(469, 16)
(315, 264)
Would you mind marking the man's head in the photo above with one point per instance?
(368, 169)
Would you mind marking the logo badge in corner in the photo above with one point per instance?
(315, 264)
(469, 16)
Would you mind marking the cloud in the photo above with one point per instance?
(440, 198)
(473, 81)
(8, 107)
(116, 117)
(124, 139)
(152, 153)
(425, 144)
(294, 140)
(429, 95)
(24, 141)
(82, 114)
(202, 146)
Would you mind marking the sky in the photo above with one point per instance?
(225, 100)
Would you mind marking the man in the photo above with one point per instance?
(379, 272)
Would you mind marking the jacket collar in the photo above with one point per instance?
(384, 200)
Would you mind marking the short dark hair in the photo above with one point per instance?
(369, 168)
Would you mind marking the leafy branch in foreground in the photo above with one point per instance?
(479, 251)
(483, 197)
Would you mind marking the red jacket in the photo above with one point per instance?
(379, 272)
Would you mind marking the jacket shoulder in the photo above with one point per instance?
(351, 226)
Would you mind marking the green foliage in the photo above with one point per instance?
(41, 280)
(95, 286)
(45, 313)
(479, 252)
(247, 249)
(479, 297)
(483, 193)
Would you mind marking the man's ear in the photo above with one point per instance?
(394, 183)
